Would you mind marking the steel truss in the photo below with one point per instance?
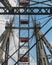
(6, 4)
(8, 10)
(26, 11)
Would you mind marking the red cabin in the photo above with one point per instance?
(24, 21)
(24, 59)
(24, 2)
(24, 39)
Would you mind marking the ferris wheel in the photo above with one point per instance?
(25, 30)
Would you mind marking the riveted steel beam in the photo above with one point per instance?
(6, 4)
(27, 11)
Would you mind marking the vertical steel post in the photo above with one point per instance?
(41, 54)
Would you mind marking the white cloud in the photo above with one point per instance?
(2, 24)
(13, 2)
(32, 61)
(51, 43)
(1, 5)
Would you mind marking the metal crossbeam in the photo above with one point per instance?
(46, 42)
(2, 35)
(27, 10)
(6, 4)
(20, 27)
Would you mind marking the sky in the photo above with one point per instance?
(42, 21)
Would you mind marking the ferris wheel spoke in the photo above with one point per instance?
(46, 22)
(13, 19)
(49, 16)
(14, 40)
(38, 1)
(5, 40)
(4, 44)
(42, 2)
(44, 17)
(2, 35)
(7, 53)
(46, 4)
(41, 8)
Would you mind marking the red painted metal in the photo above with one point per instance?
(24, 59)
(24, 21)
(24, 2)
(24, 39)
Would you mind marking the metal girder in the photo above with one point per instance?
(2, 36)
(27, 10)
(1, 54)
(49, 56)
(6, 4)
(20, 27)
(44, 39)
(5, 40)
(7, 51)
(46, 42)
(6, 46)
(41, 54)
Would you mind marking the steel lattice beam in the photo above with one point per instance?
(27, 10)
(2, 35)
(6, 4)
(46, 42)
